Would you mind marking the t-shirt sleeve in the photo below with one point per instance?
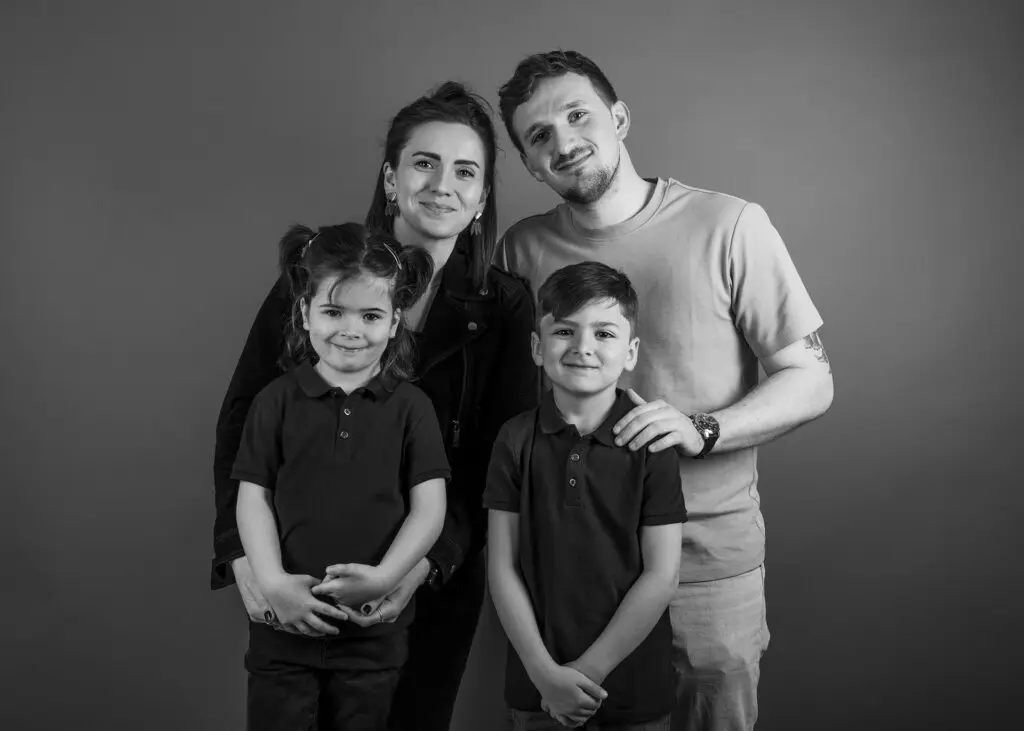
(663, 490)
(425, 458)
(502, 489)
(771, 305)
(260, 453)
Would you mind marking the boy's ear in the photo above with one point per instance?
(631, 354)
(538, 359)
(304, 308)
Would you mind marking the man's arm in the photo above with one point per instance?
(643, 605)
(798, 388)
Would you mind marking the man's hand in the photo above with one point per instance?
(354, 584)
(650, 420)
(569, 696)
(295, 607)
(390, 607)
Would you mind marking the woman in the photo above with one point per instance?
(435, 190)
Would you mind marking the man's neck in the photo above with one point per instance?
(628, 194)
(586, 412)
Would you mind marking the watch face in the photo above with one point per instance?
(706, 425)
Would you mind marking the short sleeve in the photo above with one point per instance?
(663, 490)
(770, 303)
(502, 489)
(260, 453)
(425, 458)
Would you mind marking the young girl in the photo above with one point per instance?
(341, 475)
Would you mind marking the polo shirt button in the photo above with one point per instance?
(347, 412)
(344, 435)
(572, 482)
(574, 457)
(472, 326)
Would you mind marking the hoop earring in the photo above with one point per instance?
(475, 228)
(391, 209)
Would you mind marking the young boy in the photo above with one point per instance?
(584, 536)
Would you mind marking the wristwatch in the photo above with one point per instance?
(707, 426)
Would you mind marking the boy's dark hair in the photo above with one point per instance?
(540, 66)
(450, 102)
(309, 257)
(573, 287)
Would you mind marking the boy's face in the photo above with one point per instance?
(585, 353)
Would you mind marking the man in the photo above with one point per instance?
(720, 296)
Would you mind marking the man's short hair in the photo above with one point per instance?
(540, 66)
(571, 288)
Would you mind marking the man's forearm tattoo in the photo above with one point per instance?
(813, 343)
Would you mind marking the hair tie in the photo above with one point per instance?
(305, 247)
(392, 252)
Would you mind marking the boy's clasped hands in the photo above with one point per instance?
(570, 693)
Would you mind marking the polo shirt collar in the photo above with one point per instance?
(313, 384)
(551, 421)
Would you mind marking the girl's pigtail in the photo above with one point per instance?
(293, 248)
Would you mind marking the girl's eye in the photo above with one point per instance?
(332, 313)
(563, 332)
(371, 317)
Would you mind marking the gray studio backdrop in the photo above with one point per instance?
(152, 153)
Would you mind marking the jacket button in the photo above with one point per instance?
(344, 435)
(574, 457)
(472, 326)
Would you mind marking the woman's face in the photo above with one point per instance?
(439, 182)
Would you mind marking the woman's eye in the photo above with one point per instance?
(424, 164)
(466, 173)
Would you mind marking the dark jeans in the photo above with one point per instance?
(439, 642)
(306, 684)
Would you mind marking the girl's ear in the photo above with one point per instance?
(304, 307)
(396, 317)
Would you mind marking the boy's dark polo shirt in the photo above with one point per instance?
(582, 502)
(340, 466)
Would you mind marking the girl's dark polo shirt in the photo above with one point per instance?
(582, 502)
(340, 465)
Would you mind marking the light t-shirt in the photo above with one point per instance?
(717, 290)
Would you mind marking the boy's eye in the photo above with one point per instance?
(605, 334)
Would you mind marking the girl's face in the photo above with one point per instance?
(350, 330)
(439, 181)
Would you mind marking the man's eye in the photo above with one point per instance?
(538, 138)
(577, 115)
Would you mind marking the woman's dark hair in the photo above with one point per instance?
(540, 66)
(450, 102)
(308, 258)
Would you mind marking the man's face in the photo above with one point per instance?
(586, 352)
(571, 138)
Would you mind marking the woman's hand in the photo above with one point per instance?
(389, 608)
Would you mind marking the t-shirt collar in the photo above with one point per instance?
(380, 387)
(551, 421)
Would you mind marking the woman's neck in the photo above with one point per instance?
(439, 249)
